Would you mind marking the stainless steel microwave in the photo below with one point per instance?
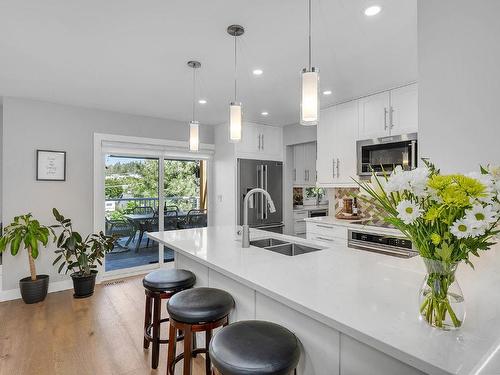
(384, 154)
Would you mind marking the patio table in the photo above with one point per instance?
(140, 222)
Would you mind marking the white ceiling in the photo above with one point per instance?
(130, 55)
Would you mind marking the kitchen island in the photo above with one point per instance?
(355, 312)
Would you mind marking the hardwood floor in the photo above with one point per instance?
(100, 335)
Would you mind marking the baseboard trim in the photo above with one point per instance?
(12, 294)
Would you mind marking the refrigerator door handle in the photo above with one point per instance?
(264, 199)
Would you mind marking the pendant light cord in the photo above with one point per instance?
(235, 70)
(310, 50)
(194, 91)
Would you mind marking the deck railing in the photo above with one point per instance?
(113, 204)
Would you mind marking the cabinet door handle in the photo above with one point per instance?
(333, 167)
(262, 135)
(338, 168)
(259, 141)
(295, 174)
(391, 118)
(385, 118)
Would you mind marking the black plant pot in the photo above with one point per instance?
(84, 285)
(34, 291)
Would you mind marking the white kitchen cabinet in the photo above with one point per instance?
(404, 110)
(299, 225)
(374, 115)
(326, 232)
(304, 164)
(374, 362)
(260, 142)
(390, 112)
(319, 343)
(337, 135)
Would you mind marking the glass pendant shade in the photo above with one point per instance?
(309, 104)
(194, 135)
(235, 122)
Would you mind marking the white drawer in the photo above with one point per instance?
(300, 215)
(327, 240)
(327, 230)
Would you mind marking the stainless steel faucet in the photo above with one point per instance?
(245, 241)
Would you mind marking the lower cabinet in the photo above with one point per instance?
(357, 358)
(320, 343)
(324, 350)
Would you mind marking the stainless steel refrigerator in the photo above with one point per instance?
(267, 175)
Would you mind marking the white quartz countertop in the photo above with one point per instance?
(370, 297)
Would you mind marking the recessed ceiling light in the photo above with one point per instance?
(257, 72)
(264, 113)
(372, 10)
(202, 101)
(327, 92)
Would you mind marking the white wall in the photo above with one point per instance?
(459, 83)
(29, 125)
(292, 135)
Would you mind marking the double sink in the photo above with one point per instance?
(283, 247)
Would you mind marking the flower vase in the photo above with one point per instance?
(440, 298)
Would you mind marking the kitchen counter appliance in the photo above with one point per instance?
(383, 154)
(380, 243)
(267, 175)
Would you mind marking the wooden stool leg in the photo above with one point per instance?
(156, 331)
(188, 337)
(147, 318)
(208, 363)
(171, 347)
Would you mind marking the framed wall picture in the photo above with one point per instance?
(50, 165)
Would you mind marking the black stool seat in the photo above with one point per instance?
(170, 280)
(200, 305)
(254, 347)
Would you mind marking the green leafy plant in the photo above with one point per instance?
(28, 232)
(76, 254)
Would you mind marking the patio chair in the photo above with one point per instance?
(171, 218)
(120, 227)
(195, 219)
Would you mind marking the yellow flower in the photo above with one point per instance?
(435, 238)
(432, 213)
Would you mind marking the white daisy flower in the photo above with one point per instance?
(481, 215)
(461, 229)
(408, 211)
(489, 183)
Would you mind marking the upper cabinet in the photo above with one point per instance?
(374, 115)
(304, 164)
(389, 113)
(404, 106)
(337, 135)
(260, 142)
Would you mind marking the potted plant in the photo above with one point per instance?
(29, 233)
(79, 256)
(448, 218)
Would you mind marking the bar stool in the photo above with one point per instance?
(159, 285)
(191, 311)
(254, 347)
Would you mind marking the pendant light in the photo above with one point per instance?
(235, 113)
(194, 126)
(309, 104)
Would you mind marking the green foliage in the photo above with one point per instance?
(139, 179)
(79, 255)
(28, 232)
(113, 188)
(25, 230)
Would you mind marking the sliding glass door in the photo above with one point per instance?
(131, 210)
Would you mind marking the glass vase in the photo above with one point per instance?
(441, 299)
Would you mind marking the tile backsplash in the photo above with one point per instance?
(366, 209)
